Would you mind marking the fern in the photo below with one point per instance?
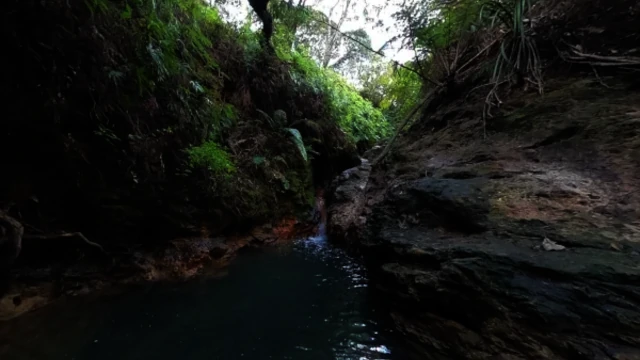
(196, 86)
(158, 59)
(127, 13)
(259, 160)
(356, 116)
(116, 76)
(99, 6)
(267, 118)
(297, 139)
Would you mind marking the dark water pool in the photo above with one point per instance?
(308, 301)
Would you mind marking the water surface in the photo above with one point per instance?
(307, 301)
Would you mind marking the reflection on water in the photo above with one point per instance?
(307, 301)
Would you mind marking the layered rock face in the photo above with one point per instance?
(521, 245)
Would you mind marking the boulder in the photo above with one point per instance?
(495, 292)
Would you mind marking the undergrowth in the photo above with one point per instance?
(356, 116)
(148, 119)
(209, 155)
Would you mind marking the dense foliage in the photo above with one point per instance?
(392, 89)
(451, 40)
(158, 117)
(141, 111)
(355, 115)
(486, 43)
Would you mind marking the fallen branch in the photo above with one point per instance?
(476, 56)
(600, 79)
(580, 57)
(368, 48)
(625, 60)
(66, 235)
(600, 63)
(404, 123)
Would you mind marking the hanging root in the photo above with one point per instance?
(577, 56)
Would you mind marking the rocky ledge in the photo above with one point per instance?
(523, 245)
(47, 270)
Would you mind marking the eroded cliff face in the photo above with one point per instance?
(521, 245)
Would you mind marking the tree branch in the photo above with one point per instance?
(413, 42)
(387, 43)
(66, 235)
(431, 81)
(404, 123)
(476, 56)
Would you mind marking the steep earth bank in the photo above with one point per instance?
(514, 238)
(146, 140)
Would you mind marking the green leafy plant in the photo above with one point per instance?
(97, 6)
(395, 91)
(297, 139)
(209, 155)
(518, 50)
(356, 116)
(259, 160)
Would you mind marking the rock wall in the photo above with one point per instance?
(521, 245)
(344, 214)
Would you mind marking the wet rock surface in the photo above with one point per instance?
(524, 245)
(347, 202)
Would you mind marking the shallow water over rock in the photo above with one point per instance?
(304, 301)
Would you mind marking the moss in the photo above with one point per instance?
(301, 185)
(209, 155)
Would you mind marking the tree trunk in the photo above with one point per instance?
(333, 35)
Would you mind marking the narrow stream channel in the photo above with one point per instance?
(309, 301)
